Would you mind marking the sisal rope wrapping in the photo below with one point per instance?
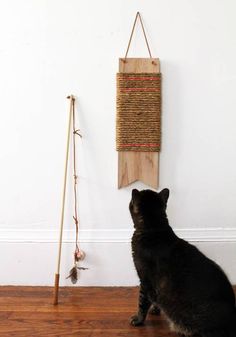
(138, 118)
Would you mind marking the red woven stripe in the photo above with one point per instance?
(145, 145)
(141, 78)
(140, 89)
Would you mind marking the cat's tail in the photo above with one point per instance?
(232, 327)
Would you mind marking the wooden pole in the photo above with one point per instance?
(57, 274)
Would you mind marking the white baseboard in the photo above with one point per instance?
(111, 235)
(29, 257)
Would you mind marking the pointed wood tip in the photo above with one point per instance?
(138, 166)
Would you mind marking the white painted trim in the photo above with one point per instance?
(52, 235)
(112, 235)
(208, 234)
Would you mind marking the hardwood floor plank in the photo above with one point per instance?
(82, 312)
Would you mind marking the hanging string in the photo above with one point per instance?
(78, 253)
(75, 217)
(132, 32)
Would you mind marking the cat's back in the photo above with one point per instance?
(152, 243)
(190, 270)
(151, 250)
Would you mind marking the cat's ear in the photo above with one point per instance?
(135, 200)
(135, 194)
(165, 194)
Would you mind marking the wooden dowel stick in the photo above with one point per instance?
(57, 274)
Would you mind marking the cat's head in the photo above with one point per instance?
(147, 207)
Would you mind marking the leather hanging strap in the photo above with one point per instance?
(138, 16)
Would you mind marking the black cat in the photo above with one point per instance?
(175, 277)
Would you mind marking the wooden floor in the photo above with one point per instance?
(82, 312)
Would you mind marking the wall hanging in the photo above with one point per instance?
(78, 253)
(138, 118)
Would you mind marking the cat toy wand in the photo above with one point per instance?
(57, 274)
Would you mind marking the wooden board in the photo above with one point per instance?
(142, 166)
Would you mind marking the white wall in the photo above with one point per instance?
(49, 49)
